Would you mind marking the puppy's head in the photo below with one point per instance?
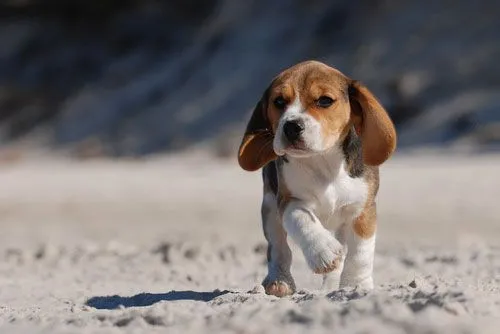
(308, 109)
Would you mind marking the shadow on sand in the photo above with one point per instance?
(147, 299)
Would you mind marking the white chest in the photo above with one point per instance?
(323, 185)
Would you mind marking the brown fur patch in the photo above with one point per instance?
(366, 224)
(256, 148)
(333, 121)
(373, 125)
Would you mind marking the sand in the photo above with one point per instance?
(174, 244)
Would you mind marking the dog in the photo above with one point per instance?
(319, 138)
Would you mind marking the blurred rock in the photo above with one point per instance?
(129, 78)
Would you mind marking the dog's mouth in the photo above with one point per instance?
(297, 146)
(297, 149)
(294, 147)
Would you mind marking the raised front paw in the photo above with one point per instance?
(323, 253)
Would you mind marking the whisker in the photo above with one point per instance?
(266, 132)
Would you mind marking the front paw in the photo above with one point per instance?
(323, 253)
(279, 287)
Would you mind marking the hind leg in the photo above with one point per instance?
(279, 281)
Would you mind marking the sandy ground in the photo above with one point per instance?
(174, 244)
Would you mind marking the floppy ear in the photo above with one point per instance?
(373, 124)
(256, 148)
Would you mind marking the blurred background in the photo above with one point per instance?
(126, 78)
(148, 92)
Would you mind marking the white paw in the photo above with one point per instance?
(323, 253)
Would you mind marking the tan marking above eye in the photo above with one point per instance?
(286, 91)
(366, 224)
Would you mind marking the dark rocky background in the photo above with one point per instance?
(130, 78)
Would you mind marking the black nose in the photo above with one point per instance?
(293, 130)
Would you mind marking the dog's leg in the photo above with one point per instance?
(322, 251)
(360, 237)
(279, 281)
(331, 280)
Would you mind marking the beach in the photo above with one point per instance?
(174, 243)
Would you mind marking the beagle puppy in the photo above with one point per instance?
(319, 138)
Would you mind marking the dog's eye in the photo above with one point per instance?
(280, 102)
(324, 102)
